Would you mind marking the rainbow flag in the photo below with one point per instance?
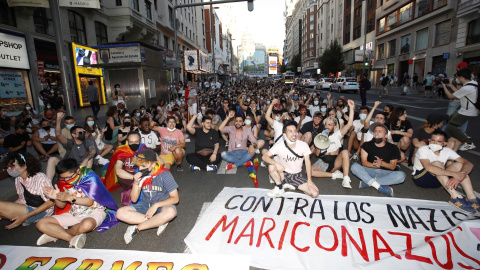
(252, 170)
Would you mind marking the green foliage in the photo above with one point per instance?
(295, 63)
(332, 59)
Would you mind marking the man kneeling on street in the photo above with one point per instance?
(287, 171)
(379, 161)
(436, 165)
(154, 195)
(238, 153)
(88, 202)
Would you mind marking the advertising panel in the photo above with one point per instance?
(191, 60)
(28, 3)
(13, 52)
(272, 64)
(12, 85)
(255, 62)
(202, 61)
(120, 55)
(80, 3)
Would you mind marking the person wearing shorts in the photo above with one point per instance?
(154, 195)
(286, 169)
(172, 144)
(88, 203)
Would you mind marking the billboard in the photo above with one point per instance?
(254, 63)
(272, 65)
(191, 60)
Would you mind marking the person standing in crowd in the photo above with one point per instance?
(364, 87)
(92, 96)
(206, 156)
(118, 96)
(383, 86)
(430, 79)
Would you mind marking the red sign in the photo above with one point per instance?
(41, 65)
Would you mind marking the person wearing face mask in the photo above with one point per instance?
(315, 107)
(311, 129)
(44, 141)
(378, 167)
(18, 141)
(78, 148)
(401, 130)
(154, 195)
(276, 123)
(118, 96)
(303, 118)
(286, 169)
(32, 204)
(172, 144)
(251, 109)
(113, 125)
(356, 135)
(125, 130)
(96, 135)
(49, 114)
(32, 112)
(438, 166)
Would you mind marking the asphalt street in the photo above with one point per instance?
(198, 188)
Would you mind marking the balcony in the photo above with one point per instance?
(467, 7)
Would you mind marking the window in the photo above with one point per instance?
(311, 17)
(311, 53)
(6, 14)
(406, 13)
(155, 4)
(101, 33)
(473, 32)
(392, 21)
(311, 44)
(422, 7)
(311, 26)
(170, 14)
(442, 33)
(421, 42)
(148, 9)
(43, 21)
(381, 25)
(136, 5)
(77, 27)
(311, 35)
(405, 42)
(165, 42)
(439, 3)
(118, 3)
(380, 51)
(391, 48)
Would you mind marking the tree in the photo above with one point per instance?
(283, 68)
(332, 59)
(296, 62)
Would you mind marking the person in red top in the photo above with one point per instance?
(172, 144)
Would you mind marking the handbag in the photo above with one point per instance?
(32, 199)
(291, 150)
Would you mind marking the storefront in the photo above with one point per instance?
(15, 89)
(47, 63)
(87, 56)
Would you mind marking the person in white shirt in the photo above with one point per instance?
(286, 169)
(356, 135)
(468, 95)
(333, 158)
(149, 137)
(303, 117)
(436, 165)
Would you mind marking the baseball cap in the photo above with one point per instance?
(436, 118)
(462, 65)
(374, 125)
(148, 155)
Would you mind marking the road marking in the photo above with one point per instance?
(204, 208)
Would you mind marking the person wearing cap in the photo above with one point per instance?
(154, 196)
(303, 118)
(379, 162)
(436, 166)
(311, 129)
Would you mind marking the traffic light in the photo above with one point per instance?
(250, 5)
(366, 63)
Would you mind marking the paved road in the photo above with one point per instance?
(198, 188)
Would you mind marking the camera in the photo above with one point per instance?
(446, 81)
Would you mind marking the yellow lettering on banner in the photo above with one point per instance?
(195, 266)
(160, 266)
(62, 263)
(89, 264)
(118, 265)
(32, 262)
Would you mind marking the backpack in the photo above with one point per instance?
(368, 85)
(476, 104)
(384, 81)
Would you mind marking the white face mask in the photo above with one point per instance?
(457, 81)
(435, 147)
(203, 108)
(248, 122)
(171, 129)
(315, 102)
(363, 116)
(288, 141)
(118, 89)
(277, 118)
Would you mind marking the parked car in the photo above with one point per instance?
(324, 83)
(310, 83)
(343, 84)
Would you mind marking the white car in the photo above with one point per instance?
(310, 83)
(343, 84)
(324, 83)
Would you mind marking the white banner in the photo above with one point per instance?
(13, 52)
(191, 60)
(80, 3)
(28, 3)
(40, 258)
(337, 232)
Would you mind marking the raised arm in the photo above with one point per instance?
(58, 129)
(370, 115)
(268, 114)
(190, 124)
(346, 128)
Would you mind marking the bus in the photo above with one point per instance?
(288, 77)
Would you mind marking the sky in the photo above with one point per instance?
(265, 23)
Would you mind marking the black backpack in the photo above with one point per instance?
(368, 85)
(476, 104)
(384, 81)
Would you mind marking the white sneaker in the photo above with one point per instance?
(78, 241)
(42, 240)
(354, 157)
(288, 186)
(101, 160)
(257, 151)
(346, 182)
(161, 228)
(337, 175)
(271, 180)
(187, 140)
(275, 192)
(130, 233)
(467, 146)
(263, 164)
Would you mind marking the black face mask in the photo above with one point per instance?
(81, 137)
(46, 128)
(145, 171)
(378, 140)
(134, 147)
(127, 124)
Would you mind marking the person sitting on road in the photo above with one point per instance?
(333, 158)
(275, 120)
(94, 133)
(216, 120)
(44, 140)
(303, 118)
(32, 204)
(206, 156)
(255, 128)
(172, 144)
(436, 165)
(238, 153)
(355, 137)
(69, 122)
(315, 107)
(88, 202)
(18, 141)
(379, 162)
(311, 129)
(401, 130)
(149, 136)
(286, 169)
(154, 196)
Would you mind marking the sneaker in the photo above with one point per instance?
(271, 180)
(463, 204)
(131, 232)
(101, 160)
(194, 168)
(257, 151)
(346, 182)
(187, 140)
(467, 146)
(161, 228)
(363, 185)
(249, 164)
(211, 168)
(288, 186)
(42, 240)
(475, 204)
(275, 192)
(263, 164)
(179, 168)
(78, 241)
(337, 175)
(354, 157)
(226, 144)
(386, 190)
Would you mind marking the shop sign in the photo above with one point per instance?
(12, 85)
(28, 3)
(120, 55)
(446, 55)
(40, 67)
(13, 52)
(358, 56)
(80, 3)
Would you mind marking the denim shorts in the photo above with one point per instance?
(142, 207)
(34, 218)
